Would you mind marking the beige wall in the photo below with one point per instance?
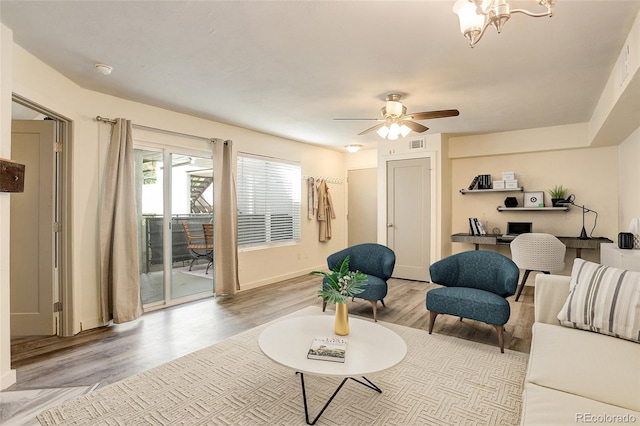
(589, 173)
(7, 375)
(629, 181)
(39, 83)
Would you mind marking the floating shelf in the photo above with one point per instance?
(474, 191)
(532, 209)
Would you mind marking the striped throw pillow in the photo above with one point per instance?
(603, 299)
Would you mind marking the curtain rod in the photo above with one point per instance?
(110, 121)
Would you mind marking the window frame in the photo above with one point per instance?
(270, 226)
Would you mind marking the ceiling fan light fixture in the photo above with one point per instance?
(353, 148)
(103, 69)
(383, 131)
(394, 131)
(404, 130)
(476, 15)
(394, 108)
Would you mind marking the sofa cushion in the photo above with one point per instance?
(603, 299)
(586, 364)
(544, 406)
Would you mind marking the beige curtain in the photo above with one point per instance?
(120, 275)
(225, 219)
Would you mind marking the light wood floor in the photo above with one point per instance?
(112, 353)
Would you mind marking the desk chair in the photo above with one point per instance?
(537, 252)
(198, 246)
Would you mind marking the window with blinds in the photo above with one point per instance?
(268, 192)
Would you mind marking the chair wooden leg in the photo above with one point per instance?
(324, 304)
(500, 330)
(524, 279)
(374, 304)
(432, 320)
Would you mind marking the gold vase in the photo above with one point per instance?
(341, 326)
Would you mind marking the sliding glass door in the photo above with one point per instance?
(175, 207)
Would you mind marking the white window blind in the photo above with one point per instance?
(268, 192)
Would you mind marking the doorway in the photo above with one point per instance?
(174, 192)
(40, 302)
(409, 216)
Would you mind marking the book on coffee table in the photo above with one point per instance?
(327, 348)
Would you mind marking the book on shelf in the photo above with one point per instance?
(473, 183)
(484, 182)
(328, 348)
(480, 227)
(476, 226)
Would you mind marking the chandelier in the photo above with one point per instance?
(476, 15)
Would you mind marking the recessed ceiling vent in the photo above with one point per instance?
(417, 143)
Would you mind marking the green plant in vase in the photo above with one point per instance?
(341, 283)
(337, 287)
(557, 193)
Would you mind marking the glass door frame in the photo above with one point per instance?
(167, 232)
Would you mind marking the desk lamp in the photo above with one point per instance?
(570, 200)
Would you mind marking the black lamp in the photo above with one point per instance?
(583, 233)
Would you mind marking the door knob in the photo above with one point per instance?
(389, 225)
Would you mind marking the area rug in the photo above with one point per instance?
(442, 381)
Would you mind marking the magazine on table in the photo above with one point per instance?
(328, 348)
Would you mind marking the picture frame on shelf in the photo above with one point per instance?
(534, 199)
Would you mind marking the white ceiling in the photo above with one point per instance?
(289, 67)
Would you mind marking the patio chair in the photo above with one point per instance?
(197, 245)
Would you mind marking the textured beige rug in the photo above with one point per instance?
(442, 381)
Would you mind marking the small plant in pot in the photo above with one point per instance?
(557, 193)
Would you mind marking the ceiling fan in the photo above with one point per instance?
(396, 122)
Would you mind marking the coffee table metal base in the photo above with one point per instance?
(368, 384)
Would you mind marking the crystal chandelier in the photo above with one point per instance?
(476, 15)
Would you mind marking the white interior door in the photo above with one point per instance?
(32, 237)
(409, 217)
(362, 206)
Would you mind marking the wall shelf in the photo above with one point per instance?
(532, 209)
(475, 191)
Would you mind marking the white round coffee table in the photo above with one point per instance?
(371, 348)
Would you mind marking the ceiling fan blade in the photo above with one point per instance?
(371, 129)
(357, 119)
(416, 127)
(433, 114)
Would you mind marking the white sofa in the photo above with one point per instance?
(576, 376)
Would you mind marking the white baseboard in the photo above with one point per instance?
(271, 280)
(8, 378)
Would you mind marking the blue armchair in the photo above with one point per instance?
(376, 262)
(475, 286)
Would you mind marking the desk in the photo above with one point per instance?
(371, 348)
(493, 239)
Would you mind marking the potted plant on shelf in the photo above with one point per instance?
(557, 193)
(337, 287)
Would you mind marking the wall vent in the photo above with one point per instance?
(417, 143)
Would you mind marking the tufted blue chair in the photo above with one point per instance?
(475, 286)
(376, 262)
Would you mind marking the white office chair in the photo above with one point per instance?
(537, 252)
